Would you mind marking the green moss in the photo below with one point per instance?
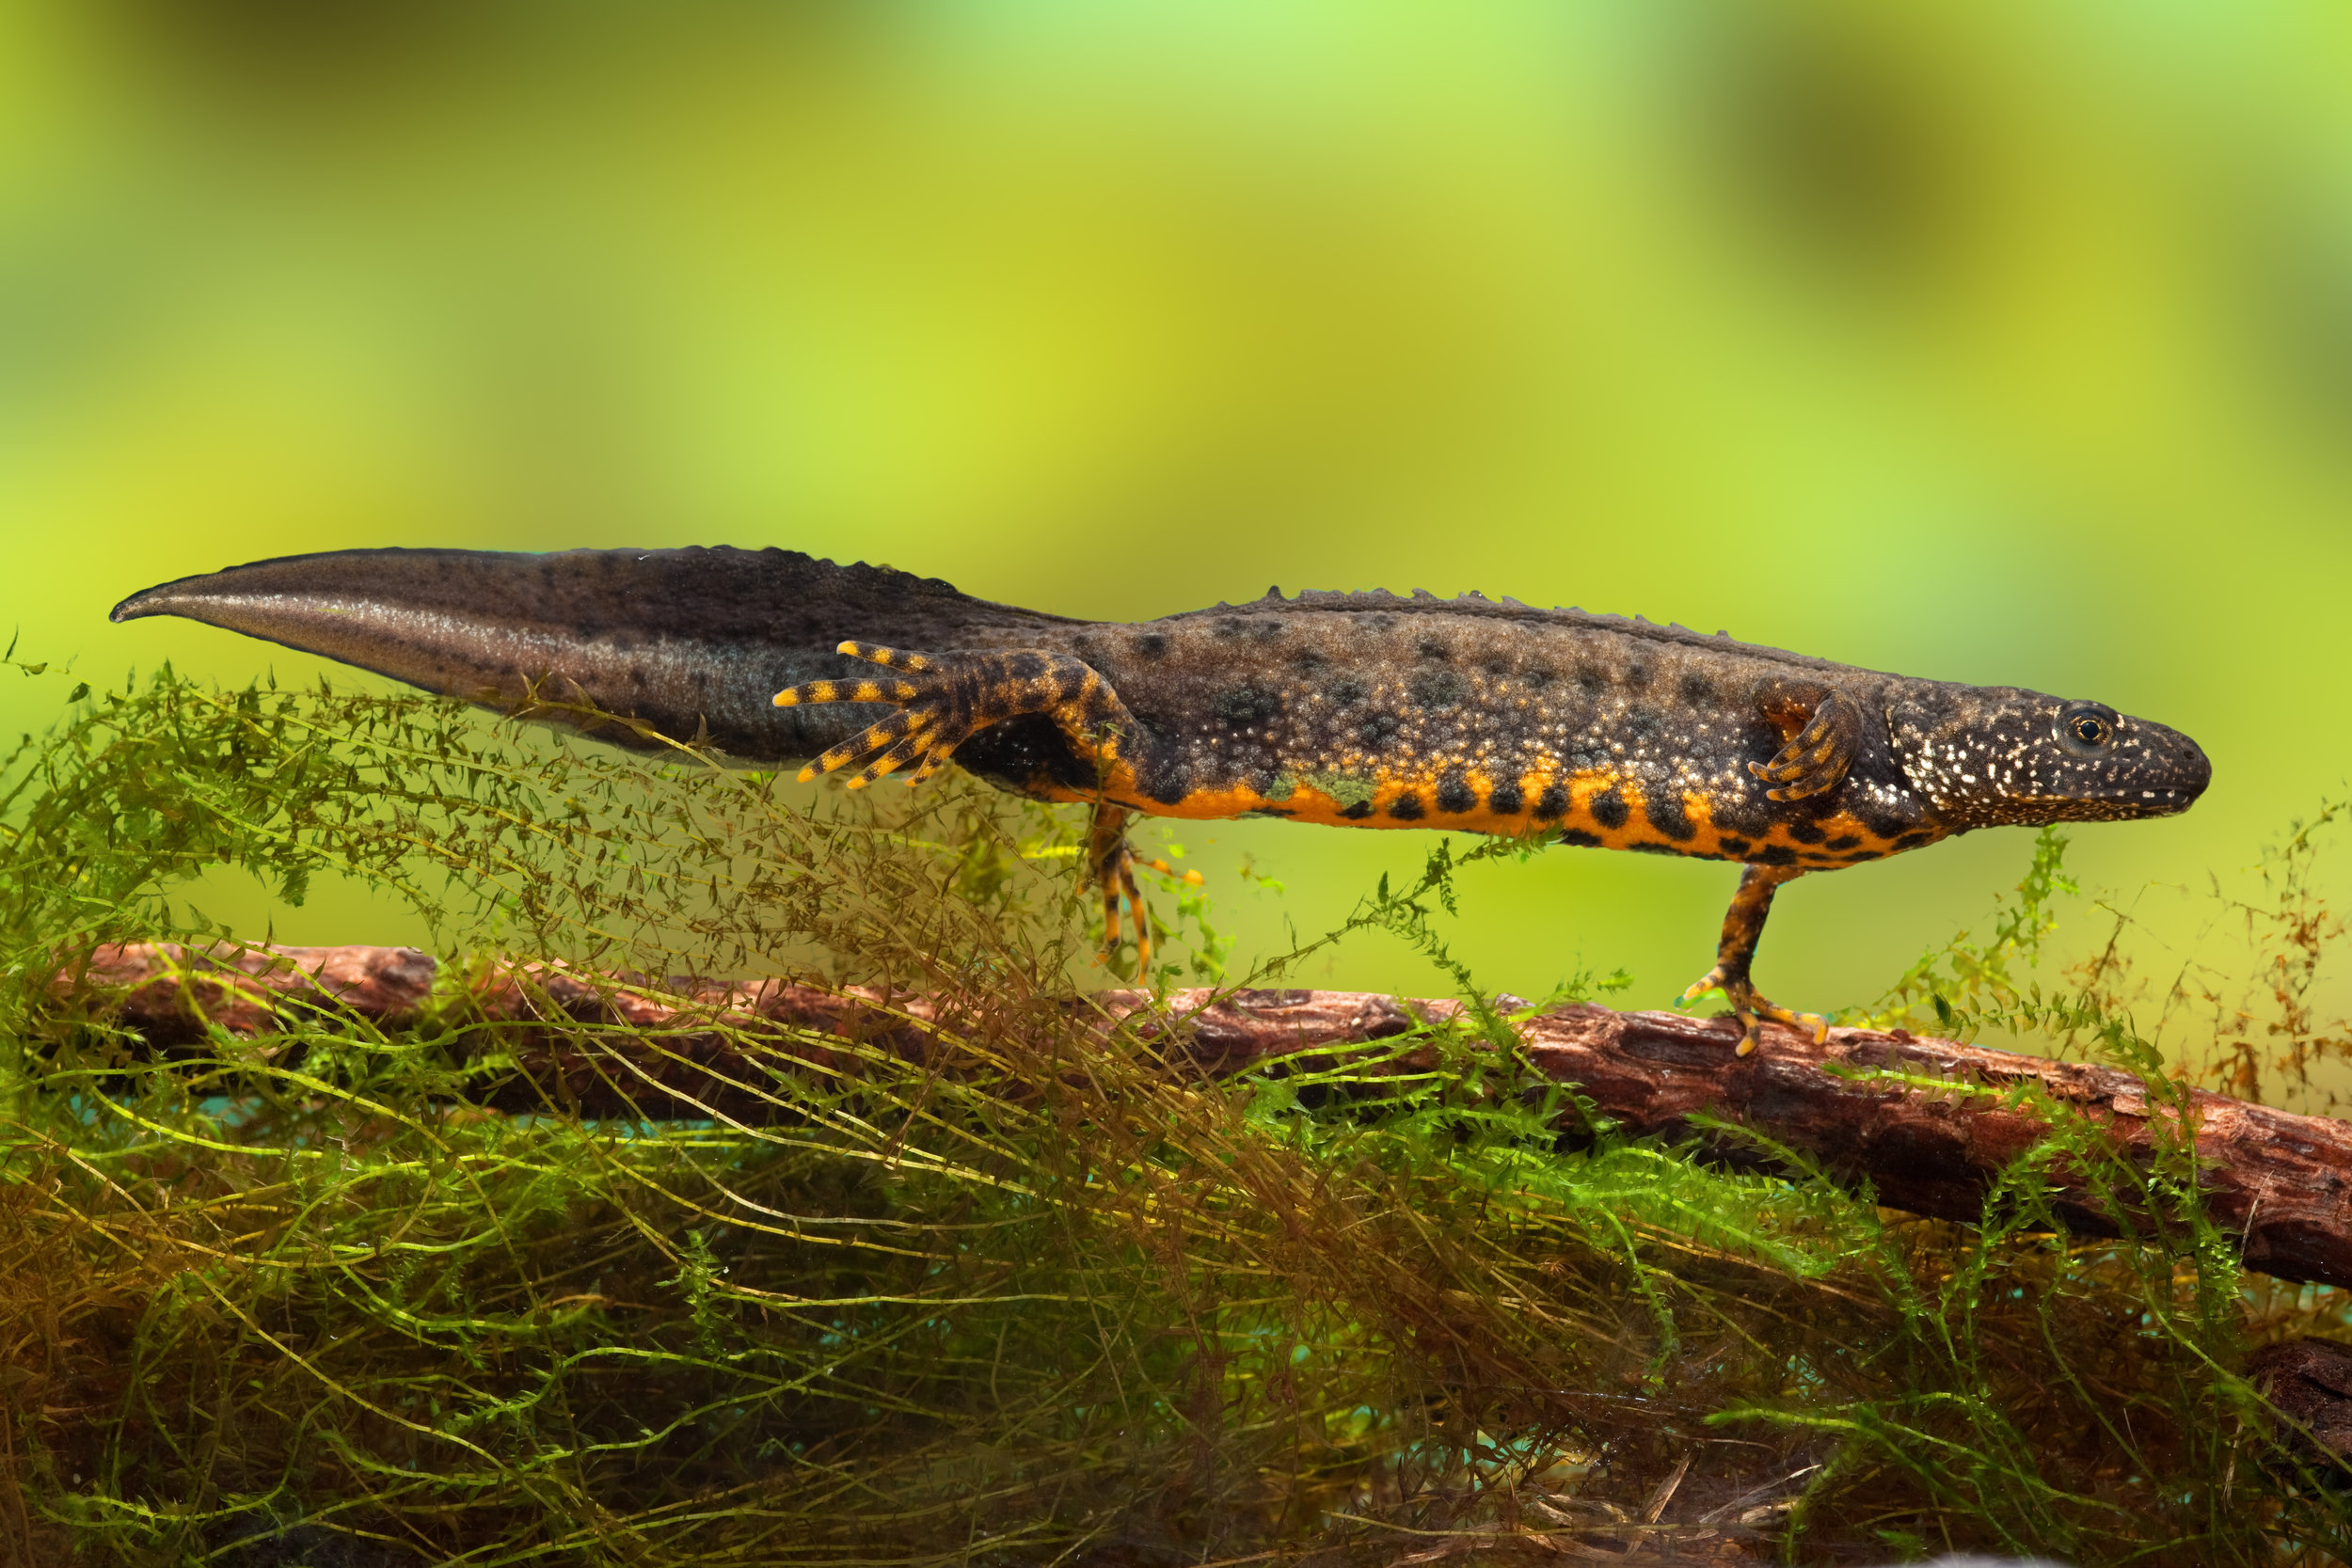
(1046, 1298)
(1348, 789)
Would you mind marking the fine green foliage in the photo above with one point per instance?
(1045, 1296)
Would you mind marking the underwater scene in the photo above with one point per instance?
(496, 1068)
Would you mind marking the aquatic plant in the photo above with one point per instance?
(1044, 1296)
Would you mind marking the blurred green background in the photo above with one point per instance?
(1982, 339)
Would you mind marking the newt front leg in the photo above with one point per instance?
(1743, 924)
(1821, 730)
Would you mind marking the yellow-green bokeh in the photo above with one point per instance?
(2003, 342)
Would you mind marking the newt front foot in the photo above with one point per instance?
(1750, 1008)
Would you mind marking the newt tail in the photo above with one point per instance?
(1346, 709)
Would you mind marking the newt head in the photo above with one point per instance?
(1985, 756)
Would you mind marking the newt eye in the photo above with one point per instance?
(2086, 729)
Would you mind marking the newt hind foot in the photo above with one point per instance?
(946, 699)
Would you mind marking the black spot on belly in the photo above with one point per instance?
(1912, 841)
(1456, 795)
(1889, 824)
(1506, 799)
(1843, 841)
(1666, 815)
(1862, 855)
(1609, 808)
(1745, 815)
(1345, 693)
(1439, 689)
(1167, 785)
(1552, 803)
(1696, 690)
(1356, 811)
(1732, 846)
(1579, 838)
(1647, 846)
(1245, 707)
(1774, 854)
(1805, 832)
(1152, 644)
(1405, 807)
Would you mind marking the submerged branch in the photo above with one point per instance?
(1931, 1125)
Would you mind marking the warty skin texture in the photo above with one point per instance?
(1350, 709)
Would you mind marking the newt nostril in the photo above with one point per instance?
(2196, 769)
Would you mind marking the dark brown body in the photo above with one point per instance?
(1357, 709)
(1351, 709)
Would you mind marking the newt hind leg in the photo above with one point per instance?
(946, 699)
(1744, 924)
(1112, 866)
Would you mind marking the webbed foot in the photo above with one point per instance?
(1750, 1008)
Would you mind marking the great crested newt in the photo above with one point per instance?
(1352, 709)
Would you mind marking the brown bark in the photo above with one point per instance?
(1929, 1123)
(2311, 1382)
